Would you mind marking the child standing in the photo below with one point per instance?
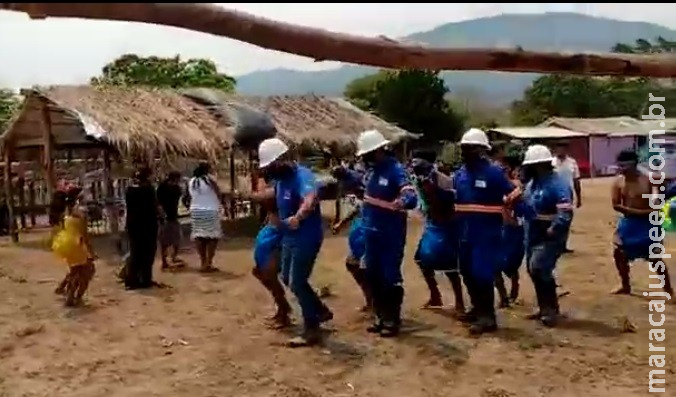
(72, 245)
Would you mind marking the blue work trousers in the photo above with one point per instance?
(298, 259)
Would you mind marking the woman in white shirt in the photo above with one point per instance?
(205, 215)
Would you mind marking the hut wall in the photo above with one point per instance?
(604, 151)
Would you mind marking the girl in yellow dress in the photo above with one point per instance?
(72, 245)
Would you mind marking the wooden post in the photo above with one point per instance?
(31, 201)
(9, 195)
(21, 192)
(233, 187)
(48, 150)
(109, 194)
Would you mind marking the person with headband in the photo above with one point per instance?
(632, 233)
(438, 247)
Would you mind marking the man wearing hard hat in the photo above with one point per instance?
(548, 211)
(482, 191)
(295, 193)
(388, 194)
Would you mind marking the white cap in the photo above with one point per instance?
(270, 150)
(369, 141)
(475, 137)
(536, 154)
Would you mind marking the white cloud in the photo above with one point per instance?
(66, 51)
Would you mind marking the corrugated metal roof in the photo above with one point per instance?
(537, 132)
(623, 125)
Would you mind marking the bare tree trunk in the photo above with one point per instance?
(323, 45)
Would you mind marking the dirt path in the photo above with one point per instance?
(203, 337)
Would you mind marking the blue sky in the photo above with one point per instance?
(69, 51)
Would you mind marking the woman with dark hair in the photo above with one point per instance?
(205, 204)
(142, 228)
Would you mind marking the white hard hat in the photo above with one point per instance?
(270, 150)
(537, 154)
(475, 137)
(369, 141)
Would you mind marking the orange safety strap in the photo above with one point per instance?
(564, 206)
(545, 217)
(478, 208)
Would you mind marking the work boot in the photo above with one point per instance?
(485, 321)
(392, 321)
(549, 309)
(539, 297)
(359, 276)
(325, 314)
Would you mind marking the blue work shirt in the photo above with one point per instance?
(386, 182)
(547, 202)
(290, 193)
(480, 193)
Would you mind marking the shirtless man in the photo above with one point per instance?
(632, 235)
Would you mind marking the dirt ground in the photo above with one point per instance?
(204, 335)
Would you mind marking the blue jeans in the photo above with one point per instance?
(298, 260)
(541, 258)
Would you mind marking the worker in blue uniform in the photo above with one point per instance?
(483, 191)
(388, 194)
(438, 247)
(296, 194)
(353, 182)
(547, 204)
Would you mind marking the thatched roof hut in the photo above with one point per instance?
(191, 123)
(131, 120)
(322, 122)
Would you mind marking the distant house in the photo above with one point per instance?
(578, 142)
(607, 137)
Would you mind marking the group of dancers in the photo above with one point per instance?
(481, 222)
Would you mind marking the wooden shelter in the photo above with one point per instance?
(67, 125)
(108, 123)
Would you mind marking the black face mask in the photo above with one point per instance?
(369, 159)
(279, 171)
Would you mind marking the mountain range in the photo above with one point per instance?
(555, 32)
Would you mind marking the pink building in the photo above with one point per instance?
(607, 137)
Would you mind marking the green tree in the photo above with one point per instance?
(363, 92)
(587, 96)
(415, 100)
(9, 104)
(173, 72)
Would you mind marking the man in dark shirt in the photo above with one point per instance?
(168, 195)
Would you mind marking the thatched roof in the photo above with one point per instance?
(192, 123)
(322, 121)
(132, 120)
